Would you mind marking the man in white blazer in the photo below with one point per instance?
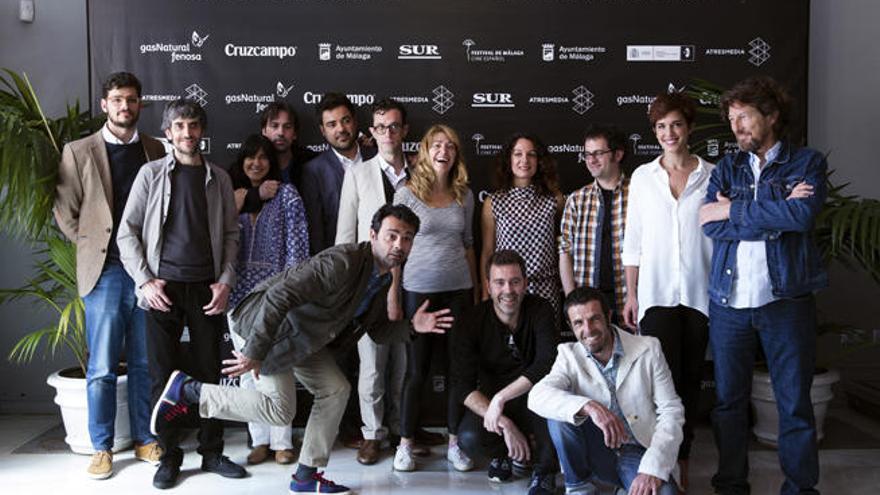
(365, 188)
(611, 406)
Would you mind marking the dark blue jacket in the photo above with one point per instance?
(786, 226)
(321, 186)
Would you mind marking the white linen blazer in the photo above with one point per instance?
(645, 393)
(362, 194)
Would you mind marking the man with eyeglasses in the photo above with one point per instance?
(591, 239)
(94, 179)
(366, 187)
(505, 345)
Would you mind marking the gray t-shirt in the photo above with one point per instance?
(437, 262)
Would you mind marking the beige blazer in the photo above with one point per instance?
(84, 202)
(362, 194)
(645, 393)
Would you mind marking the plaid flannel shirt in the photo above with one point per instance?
(581, 235)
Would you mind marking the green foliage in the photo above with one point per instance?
(30, 150)
(53, 286)
(848, 230)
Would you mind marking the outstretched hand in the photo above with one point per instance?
(240, 365)
(425, 321)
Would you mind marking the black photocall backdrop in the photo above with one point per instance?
(486, 68)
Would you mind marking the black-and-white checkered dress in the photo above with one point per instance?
(526, 223)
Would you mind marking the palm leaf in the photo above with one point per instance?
(53, 286)
(30, 149)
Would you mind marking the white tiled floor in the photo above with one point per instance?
(843, 471)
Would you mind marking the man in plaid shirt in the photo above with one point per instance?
(592, 224)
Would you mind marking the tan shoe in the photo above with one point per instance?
(258, 455)
(148, 452)
(101, 466)
(368, 454)
(286, 456)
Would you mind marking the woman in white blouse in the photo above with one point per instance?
(666, 257)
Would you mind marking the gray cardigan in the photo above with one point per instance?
(301, 310)
(143, 221)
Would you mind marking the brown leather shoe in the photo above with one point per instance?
(351, 439)
(286, 456)
(258, 455)
(425, 437)
(368, 454)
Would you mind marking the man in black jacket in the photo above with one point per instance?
(503, 347)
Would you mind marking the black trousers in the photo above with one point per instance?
(683, 334)
(201, 360)
(421, 351)
(477, 440)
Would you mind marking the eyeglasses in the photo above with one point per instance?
(381, 129)
(593, 154)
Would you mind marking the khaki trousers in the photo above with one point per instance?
(274, 402)
(380, 383)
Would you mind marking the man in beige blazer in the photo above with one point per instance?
(94, 179)
(365, 188)
(610, 404)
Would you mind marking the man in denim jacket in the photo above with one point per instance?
(760, 208)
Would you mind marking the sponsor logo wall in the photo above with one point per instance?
(486, 68)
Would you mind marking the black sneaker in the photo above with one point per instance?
(522, 469)
(542, 484)
(500, 470)
(220, 464)
(166, 475)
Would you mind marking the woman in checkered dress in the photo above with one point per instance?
(523, 214)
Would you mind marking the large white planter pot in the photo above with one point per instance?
(766, 427)
(70, 395)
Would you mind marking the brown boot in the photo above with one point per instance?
(368, 453)
(258, 455)
(683, 475)
(286, 456)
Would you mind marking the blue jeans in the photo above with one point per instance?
(114, 322)
(584, 458)
(786, 329)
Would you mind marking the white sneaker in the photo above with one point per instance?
(403, 459)
(460, 461)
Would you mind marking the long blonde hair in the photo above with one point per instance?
(423, 177)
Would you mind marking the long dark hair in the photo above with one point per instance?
(249, 148)
(545, 179)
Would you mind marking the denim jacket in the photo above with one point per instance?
(793, 259)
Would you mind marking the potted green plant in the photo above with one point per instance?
(847, 231)
(30, 149)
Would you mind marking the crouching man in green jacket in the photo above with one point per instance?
(298, 319)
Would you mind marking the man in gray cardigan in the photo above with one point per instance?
(298, 319)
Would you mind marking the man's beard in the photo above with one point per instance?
(124, 124)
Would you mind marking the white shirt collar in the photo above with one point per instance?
(112, 139)
(769, 156)
(346, 161)
(389, 169)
